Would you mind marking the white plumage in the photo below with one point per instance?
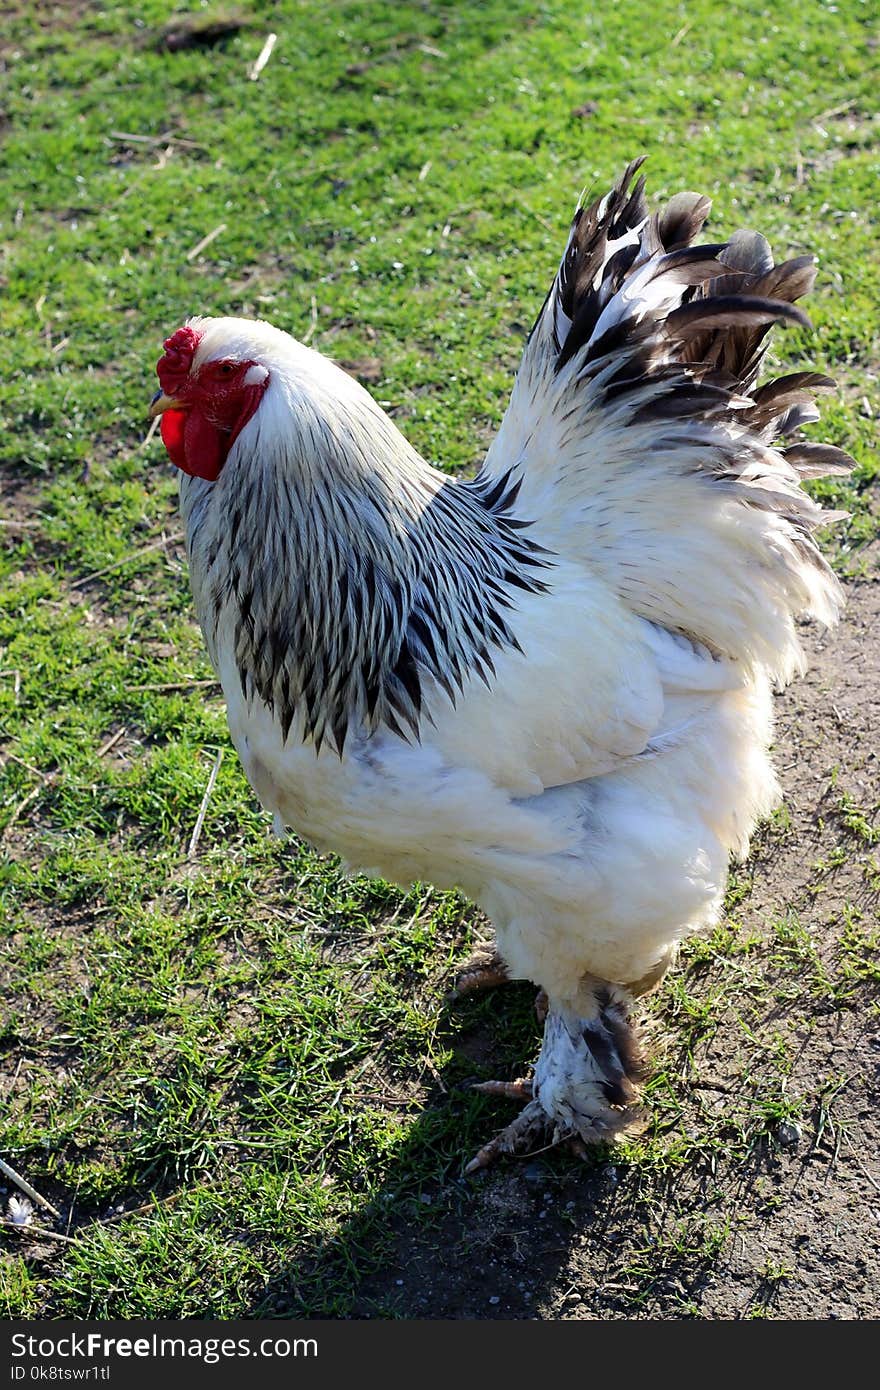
(549, 687)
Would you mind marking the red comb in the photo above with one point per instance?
(173, 368)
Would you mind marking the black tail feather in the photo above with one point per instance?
(706, 350)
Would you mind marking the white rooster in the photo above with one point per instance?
(549, 686)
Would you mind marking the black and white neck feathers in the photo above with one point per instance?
(350, 575)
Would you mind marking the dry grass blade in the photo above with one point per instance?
(154, 425)
(205, 242)
(263, 58)
(200, 820)
(111, 742)
(313, 322)
(129, 137)
(47, 781)
(25, 1187)
(173, 539)
(161, 686)
(40, 1232)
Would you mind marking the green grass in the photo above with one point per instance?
(247, 1045)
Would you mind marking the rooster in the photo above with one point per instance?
(548, 686)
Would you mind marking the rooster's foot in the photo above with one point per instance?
(511, 1090)
(585, 1089)
(484, 970)
(533, 1130)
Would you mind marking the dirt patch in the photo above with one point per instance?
(768, 1204)
(19, 502)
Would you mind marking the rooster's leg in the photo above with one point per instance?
(585, 1087)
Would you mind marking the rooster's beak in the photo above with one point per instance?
(161, 402)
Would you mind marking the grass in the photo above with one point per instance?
(235, 1071)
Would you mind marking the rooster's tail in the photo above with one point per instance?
(646, 444)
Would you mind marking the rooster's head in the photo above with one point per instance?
(211, 384)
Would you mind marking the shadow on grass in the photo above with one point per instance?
(646, 1230)
(432, 1243)
(462, 1248)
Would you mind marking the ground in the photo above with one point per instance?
(234, 1073)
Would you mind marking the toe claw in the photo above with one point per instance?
(532, 1129)
(577, 1146)
(512, 1090)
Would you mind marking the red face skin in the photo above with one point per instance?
(215, 404)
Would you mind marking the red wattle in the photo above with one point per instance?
(205, 447)
(194, 445)
(173, 422)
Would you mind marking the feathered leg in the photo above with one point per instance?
(585, 1087)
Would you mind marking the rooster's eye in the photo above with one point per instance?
(226, 368)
